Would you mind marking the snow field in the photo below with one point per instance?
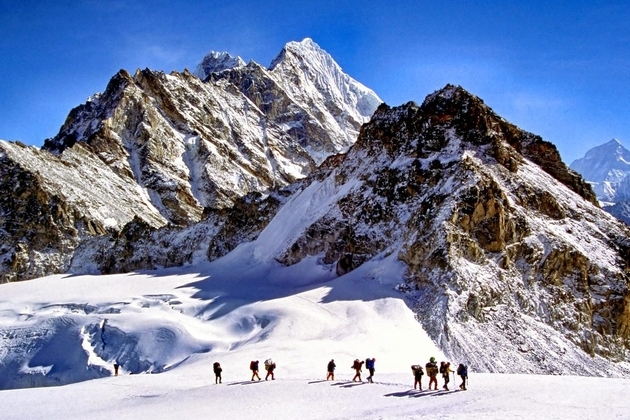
(234, 310)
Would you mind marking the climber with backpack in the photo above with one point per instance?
(331, 370)
(216, 367)
(462, 371)
(270, 366)
(369, 365)
(432, 371)
(253, 366)
(417, 376)
(445, 370)
(357, 365)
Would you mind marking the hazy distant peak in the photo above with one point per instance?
(215, 62)
(609, 162)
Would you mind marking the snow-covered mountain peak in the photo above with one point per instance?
(307, 62)
(607, 167)
(215, 62)
(305, 48)
(604, 163)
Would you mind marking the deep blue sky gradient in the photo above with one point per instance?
(558, 69)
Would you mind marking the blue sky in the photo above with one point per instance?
(558, 69)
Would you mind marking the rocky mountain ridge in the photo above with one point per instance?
(509, 264)
(169, 148)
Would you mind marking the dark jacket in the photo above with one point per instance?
(462, 370)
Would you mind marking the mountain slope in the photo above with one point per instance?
(500, 253)
(168, 150)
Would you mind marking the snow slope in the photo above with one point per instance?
(193, 394)
(179, 323)
(231, 311)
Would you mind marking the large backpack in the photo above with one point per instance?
(432, 369)
(417, 370)
(462, 370)
(443, 368)
(253, 365)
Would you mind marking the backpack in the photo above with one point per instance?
(443, 368)
(369, 364)
(253, 365)
(268, 363)
(216, 365)
(417, 370)
(462, 370)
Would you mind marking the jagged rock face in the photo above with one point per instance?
(50, 203)
(193, 145)
(139, 246)
(163, 151)
(509, 267)
(190, 145)
(306, 93)
(247, 218)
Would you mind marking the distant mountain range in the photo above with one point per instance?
(501, 250)
(606, 168)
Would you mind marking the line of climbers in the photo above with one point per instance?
(432, 371)
(270, 366)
